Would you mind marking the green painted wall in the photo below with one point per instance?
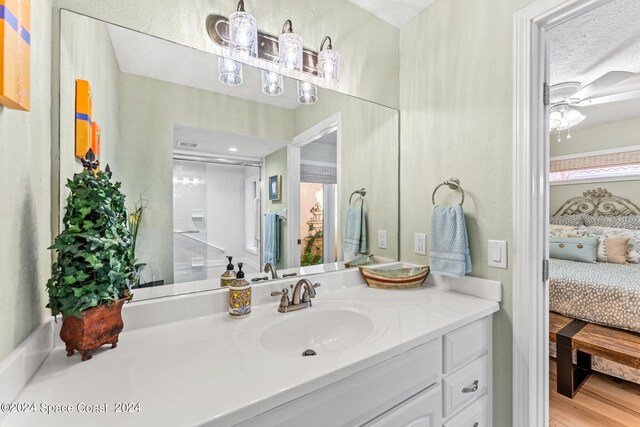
(603, 137)
(456, 100)
(25, 195)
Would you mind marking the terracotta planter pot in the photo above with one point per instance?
(99, 326)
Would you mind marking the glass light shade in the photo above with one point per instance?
(229, 71)
(290, 51)
(243, 35)
(329, 65)
(564, 117)
(307, 93)
(272, 83)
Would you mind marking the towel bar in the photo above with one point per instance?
(454, 184)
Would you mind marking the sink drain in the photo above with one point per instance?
(309, 353)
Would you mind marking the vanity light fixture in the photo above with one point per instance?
(307, 93)
(272, 83)
(243, 33)
(229, 71)
(286, 50)
(290, 48)
(328, 62)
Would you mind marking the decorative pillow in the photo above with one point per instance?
(582, 249)
(612, 249)
(633, 254)
(561, 230)
(573, 220)
(631, 222)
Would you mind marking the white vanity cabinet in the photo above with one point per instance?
(422, 410)
(444, 382)
(466, 385)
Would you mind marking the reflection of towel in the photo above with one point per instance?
(271, 238)
(355, 232)
(449, 242)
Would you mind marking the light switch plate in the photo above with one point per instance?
(382, 239)
(420, 243)
(497, 253)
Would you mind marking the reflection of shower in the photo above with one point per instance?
(214, 214)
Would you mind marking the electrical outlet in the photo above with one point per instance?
(382, 239)
(420, 243)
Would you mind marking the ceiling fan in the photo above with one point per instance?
(566, 99)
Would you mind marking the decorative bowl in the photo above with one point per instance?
(398, 278)
(360, 261)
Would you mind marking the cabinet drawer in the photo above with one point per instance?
(422, 410)
(474, 415)
(465, 344)
(363, 396)
(464, 385)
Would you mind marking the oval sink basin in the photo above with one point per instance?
(324, 331)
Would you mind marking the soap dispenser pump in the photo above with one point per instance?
(229, 275)
(239, 296)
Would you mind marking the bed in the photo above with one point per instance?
(601, 293)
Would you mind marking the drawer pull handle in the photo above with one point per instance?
(471, 388)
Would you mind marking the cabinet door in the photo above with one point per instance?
(421, 410)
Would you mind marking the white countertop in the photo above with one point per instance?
(211, 369)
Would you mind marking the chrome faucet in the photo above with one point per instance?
(299, 299)
(269, 267)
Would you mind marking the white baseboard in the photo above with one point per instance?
(18, 368)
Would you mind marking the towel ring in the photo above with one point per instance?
(362, 192)
(454, 184)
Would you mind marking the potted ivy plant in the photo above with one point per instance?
(95, 262)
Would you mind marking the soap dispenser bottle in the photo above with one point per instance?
(229, 275)
(239, 296)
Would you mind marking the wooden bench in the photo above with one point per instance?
(588, 339)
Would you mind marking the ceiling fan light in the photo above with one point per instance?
(574, 117)
(563, 117)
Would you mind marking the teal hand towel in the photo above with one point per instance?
(355, 232)
(271, 238)
(449, 254)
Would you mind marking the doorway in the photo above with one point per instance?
(313, 161)
(531, 204)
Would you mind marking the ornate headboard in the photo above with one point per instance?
(598, 202)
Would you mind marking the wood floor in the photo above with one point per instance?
(600, 402)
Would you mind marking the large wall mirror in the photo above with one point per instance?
(226, 170)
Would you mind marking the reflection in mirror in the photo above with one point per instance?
(229, 171)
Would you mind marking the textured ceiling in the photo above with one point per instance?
(602, 40)
(396, 12)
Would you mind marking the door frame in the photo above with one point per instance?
(328, 125)
(530, 201)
